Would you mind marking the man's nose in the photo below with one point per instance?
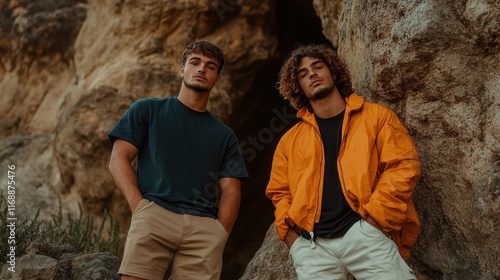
(202, 68)
(312, 74)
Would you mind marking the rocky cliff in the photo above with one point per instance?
(71, 68)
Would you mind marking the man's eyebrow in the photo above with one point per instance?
(301, 70)
(312, 64)
(196, 58)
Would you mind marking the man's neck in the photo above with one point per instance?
(194, 100)
(329, 106)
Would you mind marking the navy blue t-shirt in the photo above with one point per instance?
(182, 154)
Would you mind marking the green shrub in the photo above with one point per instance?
(79, 233)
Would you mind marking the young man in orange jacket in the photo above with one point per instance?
(342, 179)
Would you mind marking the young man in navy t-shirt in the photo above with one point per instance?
(185, 194)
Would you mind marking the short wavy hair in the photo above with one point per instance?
(288, 84)
(206, 48)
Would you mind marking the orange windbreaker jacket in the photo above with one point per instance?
(378, 168)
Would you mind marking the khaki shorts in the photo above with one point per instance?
(364, 251)
(158, 238)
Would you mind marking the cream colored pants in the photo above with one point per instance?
(364, 251)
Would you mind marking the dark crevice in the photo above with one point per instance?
(259, 120)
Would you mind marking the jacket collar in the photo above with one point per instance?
(353, 102)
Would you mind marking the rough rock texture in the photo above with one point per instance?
(271, 261)
(36, 53)
(437, 64)
(61, 262)
(71, 68)
(329, 12)
(67, 62)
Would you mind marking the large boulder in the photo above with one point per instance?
(437, 65)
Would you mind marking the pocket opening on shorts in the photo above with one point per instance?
(140, 205)
(373, 229)
(296, 244)
(219, 224)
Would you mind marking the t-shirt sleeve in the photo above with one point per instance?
(132, 126)
(233, 165)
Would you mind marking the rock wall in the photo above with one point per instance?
(71, 68)
(437, 64)
(70, 71)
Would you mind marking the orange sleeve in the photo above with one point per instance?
(399, 168)
(278, 190)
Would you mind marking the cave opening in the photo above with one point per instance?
(259, 120)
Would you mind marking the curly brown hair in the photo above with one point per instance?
(288, 84)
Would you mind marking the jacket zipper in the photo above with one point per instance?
(342, 148)
(318, 134)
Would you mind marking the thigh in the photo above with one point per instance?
(370, 254)
(316, 262)
(151, 241)
(200, 254)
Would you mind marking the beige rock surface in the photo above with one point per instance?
(437, 64)
(329, 13)
(74, 88)
(70, 69)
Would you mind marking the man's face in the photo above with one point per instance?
(315, 78)
(200, 72)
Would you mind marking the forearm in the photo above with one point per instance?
(290, 238)
(228, 208)
(126, 180)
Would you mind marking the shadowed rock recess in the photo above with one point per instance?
(69, 69)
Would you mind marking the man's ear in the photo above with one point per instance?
(218, 79)
(181, 71)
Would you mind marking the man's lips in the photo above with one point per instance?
(201, 77)
(315, 82)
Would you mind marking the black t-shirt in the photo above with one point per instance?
(182, 154)
(336, 214)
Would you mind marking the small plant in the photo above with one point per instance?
(80, 233)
